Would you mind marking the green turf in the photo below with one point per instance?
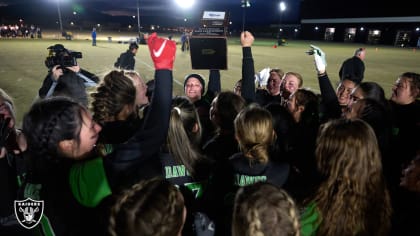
(22, 66)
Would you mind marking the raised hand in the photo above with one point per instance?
(247, 39)
(162, 52)
(320, 61)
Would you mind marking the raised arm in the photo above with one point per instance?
(214, 86)
(329, 103)
(147, 141)
(248, 71)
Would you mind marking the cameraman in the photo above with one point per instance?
(65, 77)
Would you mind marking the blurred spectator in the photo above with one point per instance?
(354, 67)
(126, 60)
(94, 37)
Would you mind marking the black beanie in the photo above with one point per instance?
(199, 77)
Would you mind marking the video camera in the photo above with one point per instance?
(58, 55)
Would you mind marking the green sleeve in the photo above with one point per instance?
(88, 182)
(310, 220)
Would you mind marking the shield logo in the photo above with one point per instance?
(29, 212)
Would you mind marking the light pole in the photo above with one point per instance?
(282, 6)
(282, 9)
(244, 4)
(59, 17)
(138, 18)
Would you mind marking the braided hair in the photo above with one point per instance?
(112, 95)
(264, 209)
(150, 207)
(48, 122)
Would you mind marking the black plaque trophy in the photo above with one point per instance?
(208, 44)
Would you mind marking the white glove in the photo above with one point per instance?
(261, 78)
(319, 56)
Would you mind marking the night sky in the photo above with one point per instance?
(165, 12)
(168, 13)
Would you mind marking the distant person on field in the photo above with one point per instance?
(126, 60)
(94, 37)
(354, 67)
(184, 41)
(38, 33)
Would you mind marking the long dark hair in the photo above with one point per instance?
(48, 122)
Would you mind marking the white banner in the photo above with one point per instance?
(214, 15)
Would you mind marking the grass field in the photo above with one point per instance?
(22, 66)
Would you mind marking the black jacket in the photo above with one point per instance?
(126, 61)
(77, 194)
(203, 105)
(353, 69)
(330, 107)
(69, 84)
(228, 178)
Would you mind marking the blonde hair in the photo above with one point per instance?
(255, 133)
(264, 209)
(150, 207)
(354, 198)
(182, 139)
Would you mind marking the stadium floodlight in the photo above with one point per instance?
(282, 6)
(245, 3)
(185, 3)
